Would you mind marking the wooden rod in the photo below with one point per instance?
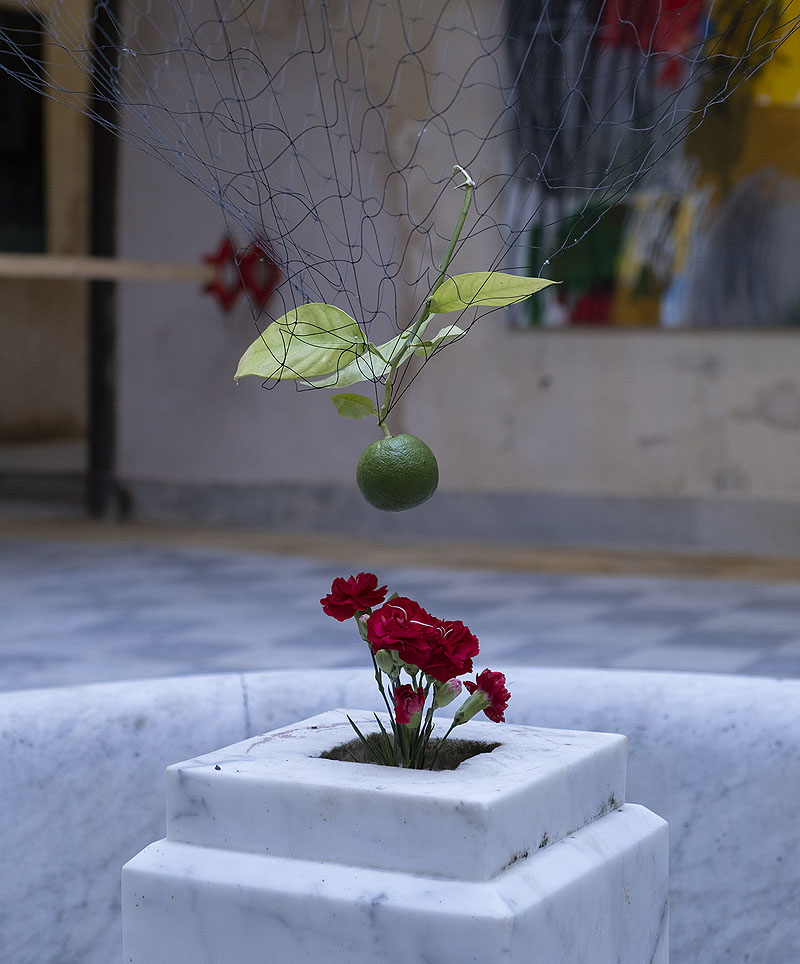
(87, 268)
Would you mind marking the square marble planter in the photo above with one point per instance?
(527, 853)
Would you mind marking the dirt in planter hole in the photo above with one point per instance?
(453, 753)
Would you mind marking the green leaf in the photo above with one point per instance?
(380, 751)
(484, 289)
(400, 343)
(372, 366)
(351, 405)
(450, 333)
(312, 340)
(367, 367)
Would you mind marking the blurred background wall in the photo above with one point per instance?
(607, 429)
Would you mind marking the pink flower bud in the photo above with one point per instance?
(445, 693)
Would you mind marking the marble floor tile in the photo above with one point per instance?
(89, 612)
(787, 591)
(781, 667)
(597, 634)
(555, 612)
(773, 603)
(761, 640)
(755, 621)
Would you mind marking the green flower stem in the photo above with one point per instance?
(427, 733)
(426, 729)
(379, 681)
(400, 747)
(440, 744)
(422, 734)
(425, 315)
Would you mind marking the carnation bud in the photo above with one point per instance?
(414, 722)
(472, 704)
(388, 663)
(445, 693)
(361, 622)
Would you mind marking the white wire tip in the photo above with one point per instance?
(468, 182)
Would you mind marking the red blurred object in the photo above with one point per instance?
(227, 283)
(592, 308)
(255, 271)
(260, 272)
(665, 27)
(652, 26)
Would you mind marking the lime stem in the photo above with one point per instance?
(468, 187)
(425, 314)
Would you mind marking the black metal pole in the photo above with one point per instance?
(101, 487)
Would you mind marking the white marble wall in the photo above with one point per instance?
(82, 791)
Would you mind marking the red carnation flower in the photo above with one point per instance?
(451, 651)
(357, 594)
(408, 702)
(439, 648)
(401, 623)
(492, 689)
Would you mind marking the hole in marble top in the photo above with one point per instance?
(453, 753)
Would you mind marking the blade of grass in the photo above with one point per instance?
(372, 750)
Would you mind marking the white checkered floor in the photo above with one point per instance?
(79, 613)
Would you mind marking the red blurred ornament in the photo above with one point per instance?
(254, 270)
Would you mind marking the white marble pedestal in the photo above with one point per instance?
(525, 854)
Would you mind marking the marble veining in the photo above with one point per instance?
(526, 853)
(597, 896)
(82, 791)
(275, 795)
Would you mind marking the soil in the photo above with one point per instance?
(451, 756)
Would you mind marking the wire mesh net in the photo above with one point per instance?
(328, 132)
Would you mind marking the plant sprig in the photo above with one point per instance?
(324, 347)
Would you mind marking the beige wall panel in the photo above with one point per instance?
(614, 413)
(181, 416)
(650, 413)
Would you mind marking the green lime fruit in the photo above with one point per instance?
(397, 473)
